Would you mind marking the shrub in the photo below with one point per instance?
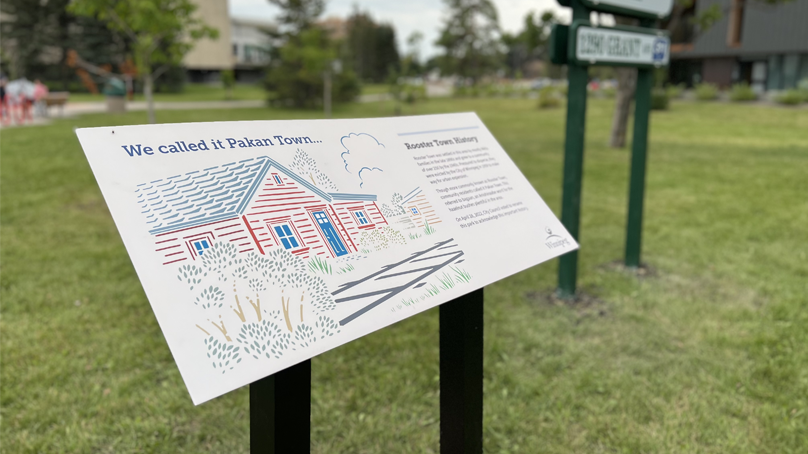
(675, 91)
(548, 98)
(742, 92)
(460, 92)
(789, 97)
(706, 92)
(659, 99)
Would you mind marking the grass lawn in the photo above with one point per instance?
(707, 353)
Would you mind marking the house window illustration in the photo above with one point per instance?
(278, 180)
(414, 210)
(201, 246)
(286, 236)
(361, 217)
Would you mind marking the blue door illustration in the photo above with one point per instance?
(330, 233)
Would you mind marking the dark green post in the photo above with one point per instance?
(639, 151)
(573, 163)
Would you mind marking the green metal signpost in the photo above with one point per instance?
(579, 46)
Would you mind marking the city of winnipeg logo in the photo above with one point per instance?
(554, 241)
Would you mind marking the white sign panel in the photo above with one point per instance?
(657, 8)
(604, 45)
(261, 244)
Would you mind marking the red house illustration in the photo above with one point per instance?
(255, 204)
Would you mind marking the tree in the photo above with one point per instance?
(530, 43)
(301, 58)
(161, 33)
(37, 34)
(470, 38)
(371, 47)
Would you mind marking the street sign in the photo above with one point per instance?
(650, 9)
(618, 46)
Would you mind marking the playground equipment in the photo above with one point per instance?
(116, 87)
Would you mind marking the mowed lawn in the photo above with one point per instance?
(706, 353)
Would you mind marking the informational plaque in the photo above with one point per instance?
(261, 244)
(632, 46)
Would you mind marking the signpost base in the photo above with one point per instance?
(280, 405)
(461, 374)
(280, 412)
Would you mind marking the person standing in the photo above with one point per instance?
(40, 104)
(4, 114)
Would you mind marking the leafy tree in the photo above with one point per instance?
(371, 47)
(530, 43)
(411, 62)
(161, 33)
(303, 54)
(470, 38)
(36, 29)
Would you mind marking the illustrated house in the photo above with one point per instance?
(418, 208)
(255, 204)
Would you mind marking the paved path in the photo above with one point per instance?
(368, 292)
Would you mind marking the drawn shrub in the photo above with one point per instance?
(394, 209)
(280, 344)
(210, 297)
(256, 285)
(304, 336)
(380, 239)
(219, 258)
(257, 338)
(307, 168)
(327, 326)
(191, 275)
(223, 355)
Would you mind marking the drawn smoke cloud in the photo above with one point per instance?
(363, 156)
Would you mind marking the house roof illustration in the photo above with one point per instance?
(214, 194)
(410, 196)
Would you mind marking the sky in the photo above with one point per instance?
(408, 16)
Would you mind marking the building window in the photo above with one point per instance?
(277, 179)
(361, 217)
(414, 210)
(286, 236)
(201, 246)
(235, 50)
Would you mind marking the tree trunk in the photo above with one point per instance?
(626, 85)
(148, 89)
(327, 93)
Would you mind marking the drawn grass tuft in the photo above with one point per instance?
(428, 229)
(318, 264)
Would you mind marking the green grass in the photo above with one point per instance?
(318, 264)
(706, 354)
(375, 89)
(191, 92)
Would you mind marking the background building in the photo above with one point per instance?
(209, 57)
(763, 45)
(250, 44)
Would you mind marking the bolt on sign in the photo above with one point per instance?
(261, 244)
(625, 46)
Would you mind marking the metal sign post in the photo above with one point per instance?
(280, 405)
(573, 164)
(579, 46)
